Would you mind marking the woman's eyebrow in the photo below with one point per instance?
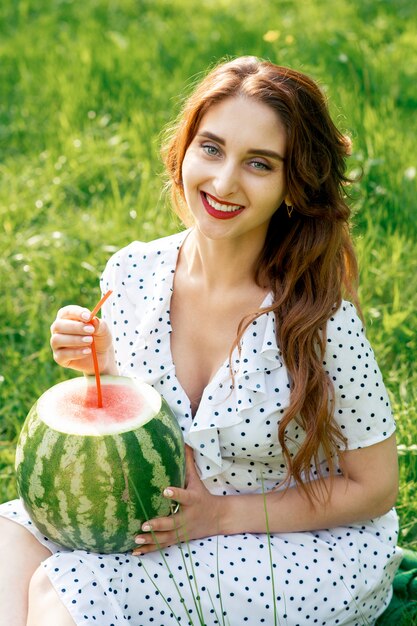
(209, 135)
(259, 151)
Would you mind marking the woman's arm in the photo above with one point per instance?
(367, 489)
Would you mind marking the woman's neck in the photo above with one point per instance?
(220, 264)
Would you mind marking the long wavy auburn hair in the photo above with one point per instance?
(308, 258)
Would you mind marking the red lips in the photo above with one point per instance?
(221, 215)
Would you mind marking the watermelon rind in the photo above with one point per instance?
(94, 491)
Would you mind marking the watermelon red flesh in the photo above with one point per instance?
(72, 406)
(93, 491)
(120, 404)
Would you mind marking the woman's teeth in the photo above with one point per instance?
(226, 208)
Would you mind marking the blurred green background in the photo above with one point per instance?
(85, 91)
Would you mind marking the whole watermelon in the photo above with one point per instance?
(89, 477)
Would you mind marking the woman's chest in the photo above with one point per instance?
(204, 333)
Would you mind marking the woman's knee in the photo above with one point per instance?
(40, 586)
(41, 595)
(15, 536)
(11, 531)
(45, 607)
(8, 526)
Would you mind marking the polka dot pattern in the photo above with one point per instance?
(330, 577)
(234, 432)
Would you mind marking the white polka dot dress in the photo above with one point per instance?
(337, 576)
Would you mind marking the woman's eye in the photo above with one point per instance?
(259, 165)
(210, 149)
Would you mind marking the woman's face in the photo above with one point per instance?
(233, 170)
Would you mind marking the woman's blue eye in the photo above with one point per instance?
(210, 150)
(259, 165)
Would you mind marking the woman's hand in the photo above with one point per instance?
(72, 336)
(367, 489)
(197, 517)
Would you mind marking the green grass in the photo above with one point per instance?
(86, 88)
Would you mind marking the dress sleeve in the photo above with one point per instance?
(362, 406)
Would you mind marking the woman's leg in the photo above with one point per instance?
(21, 555)
(45, 607)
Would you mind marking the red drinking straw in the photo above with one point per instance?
(94, 352)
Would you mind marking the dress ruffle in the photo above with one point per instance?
(246, 389)
(249, 389)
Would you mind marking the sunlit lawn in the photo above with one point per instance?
(86, 88)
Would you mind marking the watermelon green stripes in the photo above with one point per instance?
(93, 491)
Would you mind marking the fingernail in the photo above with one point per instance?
(137, 553)
(140, 540)
(86, 351)
(87, 339)
(146, 527)
(89, 329)
(85, 315)
(168, 493)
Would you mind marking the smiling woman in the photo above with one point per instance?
(240, 322)
(224, 176)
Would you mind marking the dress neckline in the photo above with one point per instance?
(223, 371)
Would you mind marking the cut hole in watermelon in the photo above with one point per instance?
(71, 406)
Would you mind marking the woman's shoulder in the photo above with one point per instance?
(345, 320)
(144, 255)
(142, 261)
(140, 251)
(345, 334)
(362, 405)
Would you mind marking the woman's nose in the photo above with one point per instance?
(226, 180)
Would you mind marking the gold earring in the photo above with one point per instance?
(290, 209)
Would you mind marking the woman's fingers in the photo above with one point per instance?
(69, 358)
(161, 524)
(158, 537)
(70, 327)
(72, 334)
(162, 541)
(67, 334)
(69, 331)
(161, 531)
(147, 542)
(74, 312)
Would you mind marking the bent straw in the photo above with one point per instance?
(99, 304)
(94, 351)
